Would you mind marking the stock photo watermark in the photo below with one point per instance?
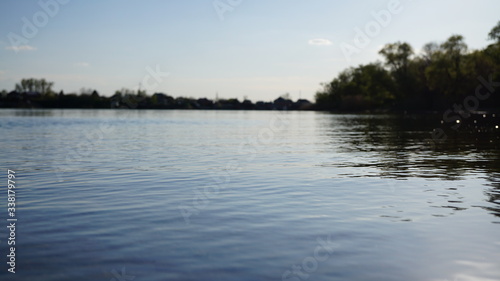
(12, 220)
(31, 26)
(462, 111)
(122, 276)
(363, 36)
(456, 114)
(310, 264)
(251, 146)
(223, 6)
(85, 147)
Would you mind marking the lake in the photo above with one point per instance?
(118, 195)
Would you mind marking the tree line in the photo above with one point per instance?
(435, 78)
(38, 93)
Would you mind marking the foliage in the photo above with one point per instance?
(440, 75)
(363, 87)
(33, 85)
(495, 33)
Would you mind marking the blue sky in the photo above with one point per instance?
(236, 48)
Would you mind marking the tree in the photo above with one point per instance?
(94, 95)
(446, 73)
(128, 98)
(454, 49)
(86, 91)
(397, 56)
(493, 50)
(325, 98)
(429, 51)
(141, 93)
(495, 33)
(364, 87)
(455, 46)
(442, 75)
(286, 96)
(35, 85)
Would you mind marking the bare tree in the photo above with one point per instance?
(35, 85)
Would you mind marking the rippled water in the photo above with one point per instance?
(242, 195)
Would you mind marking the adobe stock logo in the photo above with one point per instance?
(224, 6)
(40, 19)
(363, 37)
(310, 264)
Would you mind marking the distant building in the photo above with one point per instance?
(247, 104)
(32, 94)
(282, 104)
(161, 99)
(205, 103)
(14, 95)
(227, 104)
(260, 105)
(302, 104)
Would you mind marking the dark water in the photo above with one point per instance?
(230, 195)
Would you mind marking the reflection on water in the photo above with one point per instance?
(101, 195)
(398, 147)
(401, 145)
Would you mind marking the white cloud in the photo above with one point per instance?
(20, 48)
(82, 64)
(320, 42)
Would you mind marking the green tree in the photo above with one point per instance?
(397, 56)
(128, 98)
(446, 73)
(495, 33)
(326, 98)
(364, 87)
(455, 48)
(493, 50)
(429, 51)
(443, 74)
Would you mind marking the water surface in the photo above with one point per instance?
(247, 195)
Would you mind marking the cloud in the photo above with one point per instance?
(82, 64)
(20, 48)
(320, 42)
